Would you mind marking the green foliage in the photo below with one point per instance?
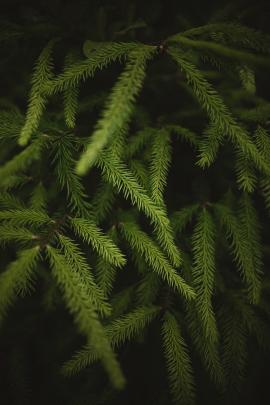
(105, 271)
(160, 161)
(139, 245)
(178, 361)
(209, 146)
(262, 140)
(218, 113)
(20, 162)
(65, 171)
(82, 70)
(102, 201)
(182, 218)
(17, 279)
(154, 257)
(25, 216)
(121, 178)
(233, 34)
(203, 247)
(37, 102)
(77, 299)
(245, 175)
(92, 235)
(207, 349)
(248, 79)
(10, 233)
(77, 261)
(240, 240)
(71, 97)
(118, 332)
(119, 106)
(38, 198)
(11, 123)
(234, 356)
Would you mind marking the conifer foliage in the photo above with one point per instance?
(90, 208)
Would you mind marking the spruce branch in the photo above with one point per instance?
(70, 96)
(159, 165)
(217, 111)
(10, 201)
(240, 248)
(234, 346)
(25, 217)
(179, 366)
(64, 161)
(106, 272)
(233, 34)
(245, 175)
(14, 233)
(117, 174)
(119, 331)
(18, 278)
(141, 172)
(103, 201)
(11, 122)
(207, 349)
(106, 53)
(251, 230)
(130, 325)
(247, 78)
(144, 245)
(119, 106)
(22, 161)
(265, 189)
(220, 50)
(209, 145)
(38, 201)
(138, 141)
(77, 300)
(180, 219)
(37, 102)
(203, 248)
(101, 243)
(185, 133)
(77, 261)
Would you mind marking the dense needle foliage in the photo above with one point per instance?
(134, 207)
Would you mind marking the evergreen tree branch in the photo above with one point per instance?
(220, 50)
(207, 349)
(77, 261)
(77, 300)
(179, 366)
(203, 247)
(119, 331)
(141, 242)
(70, 96)
(218, 113)
(119, 106)
(17, 279)
(180, 219)
(82, 70)
(122, 179)
(25, 217)
(159, 165)
(239, 246)
(246, 178)
(100, 242)
(42, 75)
(68, 179)
(22, 160)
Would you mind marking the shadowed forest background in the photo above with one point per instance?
(38, 334)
